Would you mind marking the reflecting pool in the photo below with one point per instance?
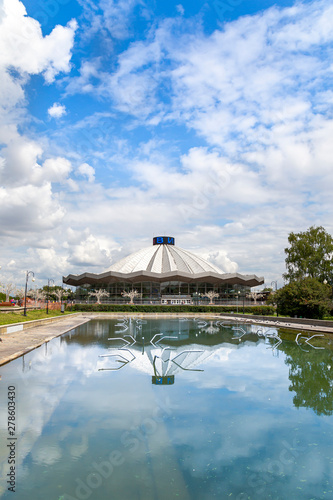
(166, 409)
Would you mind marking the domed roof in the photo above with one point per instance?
(160, 263)
(164, 258)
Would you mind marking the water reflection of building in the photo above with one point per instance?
(183, 347)
(164, 269)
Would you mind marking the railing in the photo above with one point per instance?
(221, 302)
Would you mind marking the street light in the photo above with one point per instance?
(196, 297)
(329, 283)
(274, 283)
(62, 306)
(47, 295)
(25, 291)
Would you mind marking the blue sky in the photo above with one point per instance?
(210, 122)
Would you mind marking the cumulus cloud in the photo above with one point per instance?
(20, 157)
(90, 252)
(29, 208)
(57, 110)
(28, 200)
(270, 120)
(87, 171)
(243, 120)
(254, 92)
(221, 259)
(53, 170)
(25, 48)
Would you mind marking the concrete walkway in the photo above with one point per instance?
(295, 324)
(17, 343)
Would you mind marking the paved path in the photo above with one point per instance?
(16, 344)
(281, 324)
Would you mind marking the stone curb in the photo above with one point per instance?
(44, 338)
(280, 322)
(24, 325)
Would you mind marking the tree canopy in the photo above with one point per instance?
(310, 255)
(307, 298)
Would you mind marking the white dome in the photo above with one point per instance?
(162, 262)
(164, 259)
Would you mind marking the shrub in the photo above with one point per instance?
(156, 308)
(307, 298)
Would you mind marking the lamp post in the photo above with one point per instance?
(237, 296)
(47, 295)
(196, 298)
(25, 290)
(62, 306)
(274, 283)
(330, 282)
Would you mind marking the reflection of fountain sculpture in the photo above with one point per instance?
(165, 360)
(163, 355)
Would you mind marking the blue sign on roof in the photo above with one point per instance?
(163, 240)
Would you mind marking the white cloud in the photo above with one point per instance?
(53, 170)
(180, 9)
(90, 252)
(57, 110)
(29, 208)
(89, 71)
(220, 259)
(237, 129)
(29, 204)
(20, 158)
(24, 47)
(87, 171)
(117, 16)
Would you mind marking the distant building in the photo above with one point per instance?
(176, 299)
(163, 273)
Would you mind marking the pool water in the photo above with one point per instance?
(170, 409)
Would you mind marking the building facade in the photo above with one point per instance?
(160, 272)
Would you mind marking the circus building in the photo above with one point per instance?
(164, 273)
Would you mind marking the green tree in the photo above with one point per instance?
(311, 378)
(308, 298)
(310, 255)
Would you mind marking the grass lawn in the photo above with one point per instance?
(8, 318)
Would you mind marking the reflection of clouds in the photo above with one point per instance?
(244, 370)
(41, 379)
(254, 438)
(236, 414)
(77, 450)
(46, 454)
(64, 432)
(314, 466)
